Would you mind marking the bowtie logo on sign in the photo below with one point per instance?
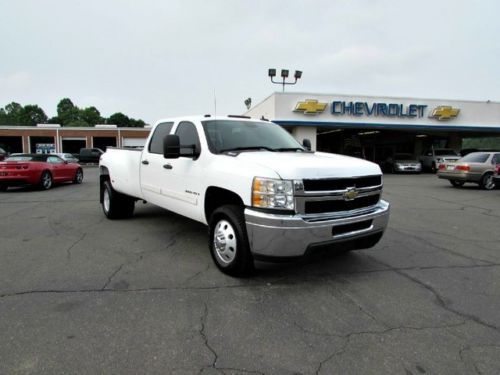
(444, 112)
(310, 107)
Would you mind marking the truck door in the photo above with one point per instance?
(186, 173)
(153, 174)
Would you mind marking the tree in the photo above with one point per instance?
(31, 115)
(90, 115)
(3, 117)
(67, 112)
(77, 123)
(13, 112)
(136, 123)
(119, 119)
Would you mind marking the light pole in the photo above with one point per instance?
(284, 75)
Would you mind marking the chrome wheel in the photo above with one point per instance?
(79, 176)
(488, 182)
(224, 240)
(106, 200)
(46, 181)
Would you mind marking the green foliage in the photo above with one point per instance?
(15, 114)
(68, 114)
(119, 119)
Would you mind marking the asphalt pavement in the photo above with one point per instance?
(83, 294)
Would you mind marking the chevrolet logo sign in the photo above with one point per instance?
(310, 107)
(350, 194)
(444, 112)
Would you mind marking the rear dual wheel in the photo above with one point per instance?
(116, 205)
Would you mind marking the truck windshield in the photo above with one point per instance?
(234, 135)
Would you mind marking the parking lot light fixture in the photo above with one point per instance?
(284, 75)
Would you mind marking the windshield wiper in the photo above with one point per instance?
(247, 148)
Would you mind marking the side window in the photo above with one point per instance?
(495, 159)
(188, 135)
(156, 143)
(54, 160)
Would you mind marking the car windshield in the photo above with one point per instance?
(475, 158)
(445, 151)
(404, 157)
(234, 135)
(27, 158)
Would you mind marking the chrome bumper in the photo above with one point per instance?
(271, 235)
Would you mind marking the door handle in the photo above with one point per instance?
(145, 162)
(167, 166)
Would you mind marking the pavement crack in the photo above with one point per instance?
(440, 300)
(203, 334)
(68, 250)
(112, 276)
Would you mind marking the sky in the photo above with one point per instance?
(153, 59)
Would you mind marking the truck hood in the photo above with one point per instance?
(301, 165)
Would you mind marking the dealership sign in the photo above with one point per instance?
(343, 108)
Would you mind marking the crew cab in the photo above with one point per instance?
(262, 194)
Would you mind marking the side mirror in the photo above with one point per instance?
(306, 143)
(171, 147)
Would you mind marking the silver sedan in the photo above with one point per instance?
(476, 167)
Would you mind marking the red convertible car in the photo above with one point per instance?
(42, 170)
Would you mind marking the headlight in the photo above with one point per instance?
(272, 193)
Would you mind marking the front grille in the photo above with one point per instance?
(317, 207)
(328, 184)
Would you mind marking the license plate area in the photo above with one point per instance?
(450, 167)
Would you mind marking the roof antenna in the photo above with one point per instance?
(215, 105)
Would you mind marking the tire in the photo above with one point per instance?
(78, 176)
(116, 205)
(456, 183)
(228, 241)
(45, 181)
(433, 167)
(487, 182)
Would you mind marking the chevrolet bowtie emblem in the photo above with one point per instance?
(310, 107)
(350, 194)
(444, 112)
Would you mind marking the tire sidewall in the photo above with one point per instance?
(109, 190)
(78, 180)
(42, 185)
(487, 176)
(239, 266)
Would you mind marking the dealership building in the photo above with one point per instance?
(377, 127)
(54, 138)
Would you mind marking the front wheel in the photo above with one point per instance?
(116, 205)
(45, 181)
(229, 242)
(487, 182)
(456, 183)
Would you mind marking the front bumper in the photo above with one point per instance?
(277, 236)
(408, 168)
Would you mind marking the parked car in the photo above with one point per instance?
(434, 156)
(496, 175)
(67, 157)
(401, 163)
(90, 155)
(476, 167)
(3, 154)
(42, 170)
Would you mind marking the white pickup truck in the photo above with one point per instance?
(263, 195)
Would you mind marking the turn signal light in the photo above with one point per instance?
(464, 168)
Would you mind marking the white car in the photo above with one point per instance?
(431, 158)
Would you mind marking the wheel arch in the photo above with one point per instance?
(216, 197)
